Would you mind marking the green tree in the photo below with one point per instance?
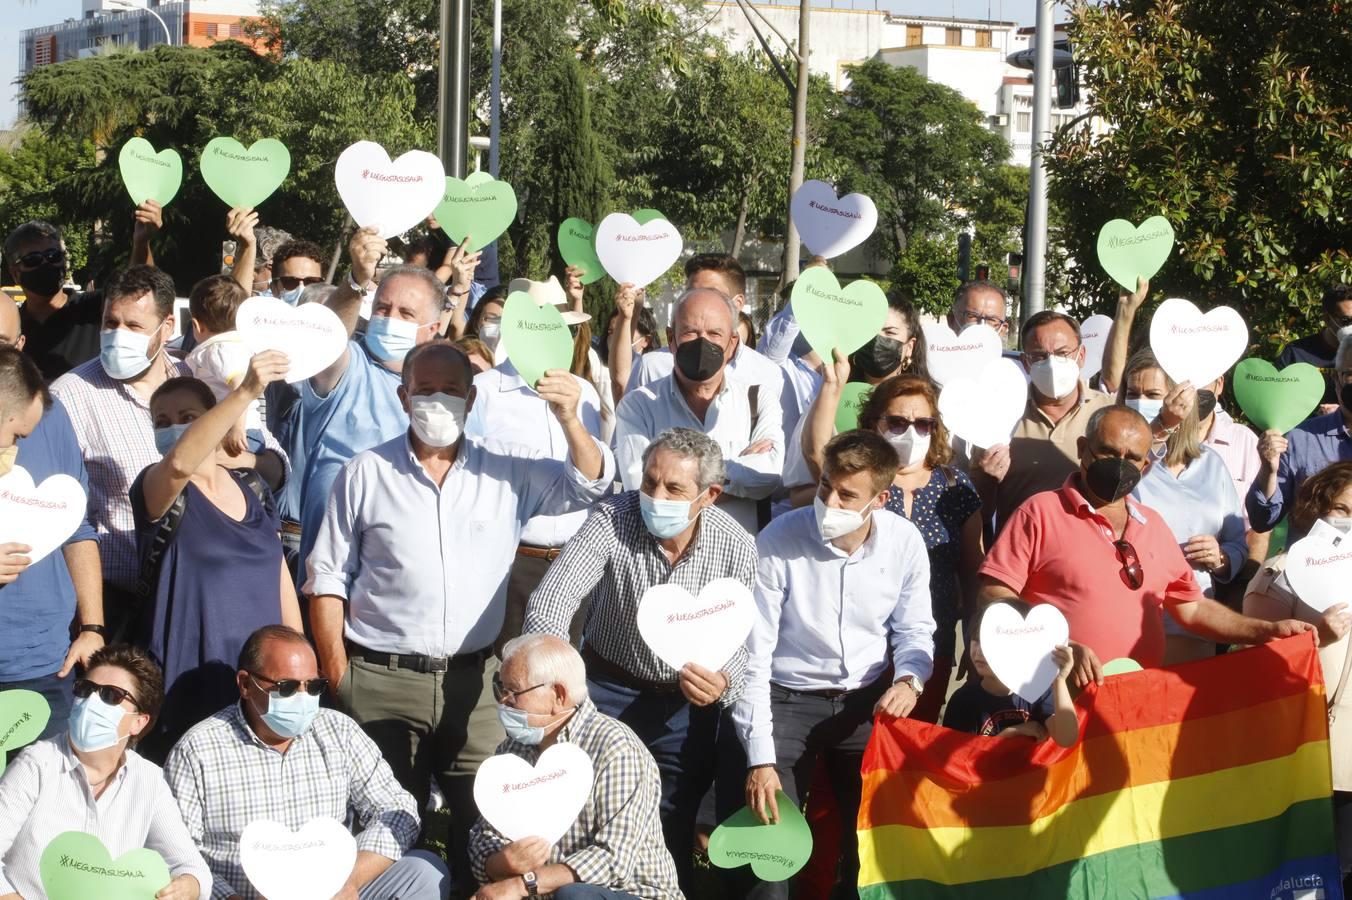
(1232, 120)
(29, 171)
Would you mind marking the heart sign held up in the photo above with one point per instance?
(775, 852)
(831, 225)
(704, 630)
(1019, 650)
(149, 175)
(1094, 335)
(535, 336)
(480, 210)
(983, 409)
(637, 253)
(1126, 251)
(310, 864)
(391, 195)
(521, 800)
(577, 246)
(852, 399)
(1319, 567)
(76, 866)
(43, 516)
(311, 335)
(244, 177)
(23, 716)
(1277, 399)
(950, 355)
(1197, 347)
(835, 317)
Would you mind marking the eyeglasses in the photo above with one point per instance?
(108, 693)
(290, 282)
(1132, 573)
(500, 693)
(287, 687)
(923, 425)
(1037, 356)
(38, 257)
(974, 318)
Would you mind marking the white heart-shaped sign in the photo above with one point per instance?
(1094, 336)
(704, 630)
(42, 516)
(1197, 347)
(311, 335)
(950, 355)
(1319, 567)
(1019, 650)
(634, 253)
(521, 800)
(309, 864)
(831, 225)
(983, 409)
(391, 195)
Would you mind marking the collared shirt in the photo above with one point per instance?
(1238, 449)
(68, 337)
(424, 568)
(224, 778)
(45, 792)
(616, 842)
(647, 412)
(1057, 549)
(509, 413)
(826, 620)
(614, 559)
(1311, 446)
(36, 609)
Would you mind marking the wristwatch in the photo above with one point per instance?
(100, 630)
(913, 683)
(532, 885)
(352, 283)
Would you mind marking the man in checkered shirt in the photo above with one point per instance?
(614, 850)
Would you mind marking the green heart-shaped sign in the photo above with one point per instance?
(23, 716)
(1277, 399)
(76, 866)
(481, 208)
(478, 177)
(775, 852)
(644, 216)
(1121, 666)
(536, 338)
(835, 317)
(1126, 251)
(244, 178)
(577, 246)
(852, 399)
(149, 175)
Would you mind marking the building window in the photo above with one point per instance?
(236, 30)
(953, 37)
(1023, 122)
(983, 38)
(915, 35)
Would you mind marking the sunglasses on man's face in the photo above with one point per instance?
(287, 687)
(898, 424)
(291, 282)
(41, 257)
(108, 693)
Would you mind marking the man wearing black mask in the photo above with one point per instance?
(1318, 349)
(1108, 563)
(701, 393)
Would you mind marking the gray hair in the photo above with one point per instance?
(1342, 360)
(435, 289)
(316, 293)
(550, 660)
(685, 295)
(269, 240)
(691, 444)
(28, 233)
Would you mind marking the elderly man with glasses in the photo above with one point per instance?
(1108, 563)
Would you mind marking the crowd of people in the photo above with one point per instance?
(337, 598)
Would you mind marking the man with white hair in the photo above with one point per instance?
(614, 850)
(701, 394)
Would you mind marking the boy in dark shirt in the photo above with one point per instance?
(985, 706)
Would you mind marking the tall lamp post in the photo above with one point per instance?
(453, 87)
(134, 5)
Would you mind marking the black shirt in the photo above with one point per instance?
(69, 336)
(1315, 351)
(975, 710)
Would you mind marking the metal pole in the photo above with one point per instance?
(1035, 240)
(453, 87)
(799, 142)
(169, 38)
(495, 100)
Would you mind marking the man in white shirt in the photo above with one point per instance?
(843, 631)
(408, 576)
(702, 394)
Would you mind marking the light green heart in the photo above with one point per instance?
(244, 177)
(481, 209)
(577, 246)
(1126, 251)
(644, 216)
(852, 398)
(536, 337)
(1277, 399)
(1121, 666)
(23, 716)
(832, 317)
(76, 866)
(774, 852)
(149, 175)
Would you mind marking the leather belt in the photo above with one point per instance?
(417, 662)
(878, 685)
(598, 664)
(548, 554)
(291, 528)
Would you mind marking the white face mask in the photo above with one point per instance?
(834, 523)
(489, 332)
(1146, 407)
(438, 419)
(1055, 377)
(1344, 332)
(911, 448)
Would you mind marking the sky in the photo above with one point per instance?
(21, 14)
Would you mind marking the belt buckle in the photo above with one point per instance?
(393, 662)
(438, 663)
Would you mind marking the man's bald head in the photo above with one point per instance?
(700, 303)
(9, 323)
(1118, 431)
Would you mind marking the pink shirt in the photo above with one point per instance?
(1057, 549)
(1238, 447)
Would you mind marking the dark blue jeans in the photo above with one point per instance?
(59, 698)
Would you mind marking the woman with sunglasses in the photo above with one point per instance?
(1189, 486)
(90, 780)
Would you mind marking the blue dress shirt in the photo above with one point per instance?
(1311, 446)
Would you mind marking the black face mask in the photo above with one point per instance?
(878, 358)
(44, 281)
(1345, 397)
(1206, 404)
(1110, 479)
(700, 359)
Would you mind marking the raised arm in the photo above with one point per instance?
(240, 224)
(457, 272)
(365, 249)
(149, 220)
(821, 416)
(1119, 336)
(621, 340)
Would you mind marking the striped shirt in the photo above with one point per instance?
(616, 842)
(224, 777)
(45, 793)
(614, 559)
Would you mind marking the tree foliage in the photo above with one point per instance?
(30, 169)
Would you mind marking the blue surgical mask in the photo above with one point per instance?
(664, 518)
(290, 717)
(390, 339)
(516, 722)
(167, 437)
(1146, 407)
(123, 353)
(94, 724)
(292, 297)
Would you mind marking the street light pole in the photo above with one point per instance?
(799, 157)
(453, 87)
(495, 100)
(132, 5)
(1035, 240)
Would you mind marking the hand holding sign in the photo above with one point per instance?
(950, 355)
(775, 852)
(1019, 650)
(1127, 252)
(543, 800)
(312, 863)
(23, 716)
(76, 866)
(311, 335)
(831, 225)
(149, 175)
(42, 516)
(244, 177)
(832, 317)
(637, 253)
(393, 195)
(535, 337)
(480, 208)
(1275, 399)
(983, 410)
(704, 630)
(1196, 347)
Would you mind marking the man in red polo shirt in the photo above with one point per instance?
(1108, 563)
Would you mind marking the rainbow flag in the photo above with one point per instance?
(1207, 780)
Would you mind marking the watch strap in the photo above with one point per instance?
(532, 884)
(100, 630)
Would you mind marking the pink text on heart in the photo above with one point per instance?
(269, 321)
(538, 779)
(699, 614)
(1025, 629)
(1215, 329)
(833, 211)
(1337, 557)
(388, 176)
(32, 501)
